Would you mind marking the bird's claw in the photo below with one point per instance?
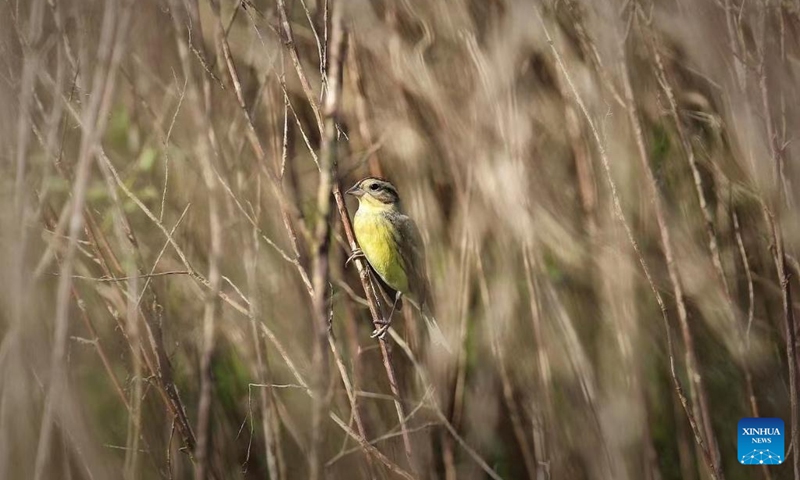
(357, 253)
(380, 332)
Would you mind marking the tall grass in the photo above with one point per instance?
(605, 189)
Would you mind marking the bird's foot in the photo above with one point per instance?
(380, 332)
(381, 328)
(357, 253)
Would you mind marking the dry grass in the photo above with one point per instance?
(606, 190)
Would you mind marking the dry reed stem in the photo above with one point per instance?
(30, 64)
(294, 261)
(299, 123)
(163, 370)
(439, 125)
(688, 150)
(697, 389)
(467, 250)
(375, 453)
(275, 463)
(272, 441)
(290, 212)
(189, 270)
(515, 416)
(200, 95)
(713, 242)
(337, 355)
(125, 239)
(288, 39)
(362, 114)
(465, 271)
(255, 143)
(320, 260)
(159, 366)
(783, 204)
(112, 40)
(377, 440)
(352, 397)
(94, 337)
(784, 278)
(698, 396)
(316, 291)
(621, 216)
(438, 410)
(375, 311)
(506, 386)
(354, 384)
(748, 377)
(543, 380)
(374, 308)
(363, 270)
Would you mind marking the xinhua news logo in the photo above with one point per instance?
(761, 441)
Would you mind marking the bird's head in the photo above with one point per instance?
(375, 191)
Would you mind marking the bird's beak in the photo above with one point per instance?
(355, 191)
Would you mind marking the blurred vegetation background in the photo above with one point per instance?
(605, 188)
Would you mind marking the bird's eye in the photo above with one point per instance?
(374, 187)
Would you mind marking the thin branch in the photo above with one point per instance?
(374, 307)
(377, 440)
(112, 39)
(272, 440)
(372, 300)
(125, 279)
(438, 411)
(784, 279)
(353, 397)
(619, 213)
(288, 39)
(322, 242)
(699, 402)
(515, 416)
(304, 384)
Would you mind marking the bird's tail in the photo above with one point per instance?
(434, 330)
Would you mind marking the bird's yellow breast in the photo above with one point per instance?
(374, 231)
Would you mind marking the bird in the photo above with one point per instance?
(390, 241)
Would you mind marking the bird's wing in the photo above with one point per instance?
(412, 251)
(388, 293)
